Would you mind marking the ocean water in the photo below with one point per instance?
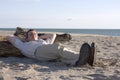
(111, 32)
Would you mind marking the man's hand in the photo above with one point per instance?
(52, 37)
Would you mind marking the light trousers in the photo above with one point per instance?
(56, 51)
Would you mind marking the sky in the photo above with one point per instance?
(74, 14)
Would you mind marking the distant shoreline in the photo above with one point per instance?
(5, 33)
(107, 32)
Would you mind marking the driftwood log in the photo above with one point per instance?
(7, 49)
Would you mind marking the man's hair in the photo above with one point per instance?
(29, 31)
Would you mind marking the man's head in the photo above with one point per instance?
(31, 35)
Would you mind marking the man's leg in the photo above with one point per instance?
(56, 51)
(68, 56)
(47, 52)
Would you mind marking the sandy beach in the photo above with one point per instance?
(107, 65)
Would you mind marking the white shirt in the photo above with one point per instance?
(28, 48)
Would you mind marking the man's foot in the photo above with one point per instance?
(85, 52)
(92, 55)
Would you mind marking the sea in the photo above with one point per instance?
(110, 32)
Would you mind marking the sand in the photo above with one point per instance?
(107, 65)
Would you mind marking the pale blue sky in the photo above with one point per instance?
(87, 14)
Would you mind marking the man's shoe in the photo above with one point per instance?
(92, 56)
(85, 52)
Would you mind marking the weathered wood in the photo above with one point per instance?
(7, 49)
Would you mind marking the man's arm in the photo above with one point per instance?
(52, 37)
(11, 39)
(15, 41)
